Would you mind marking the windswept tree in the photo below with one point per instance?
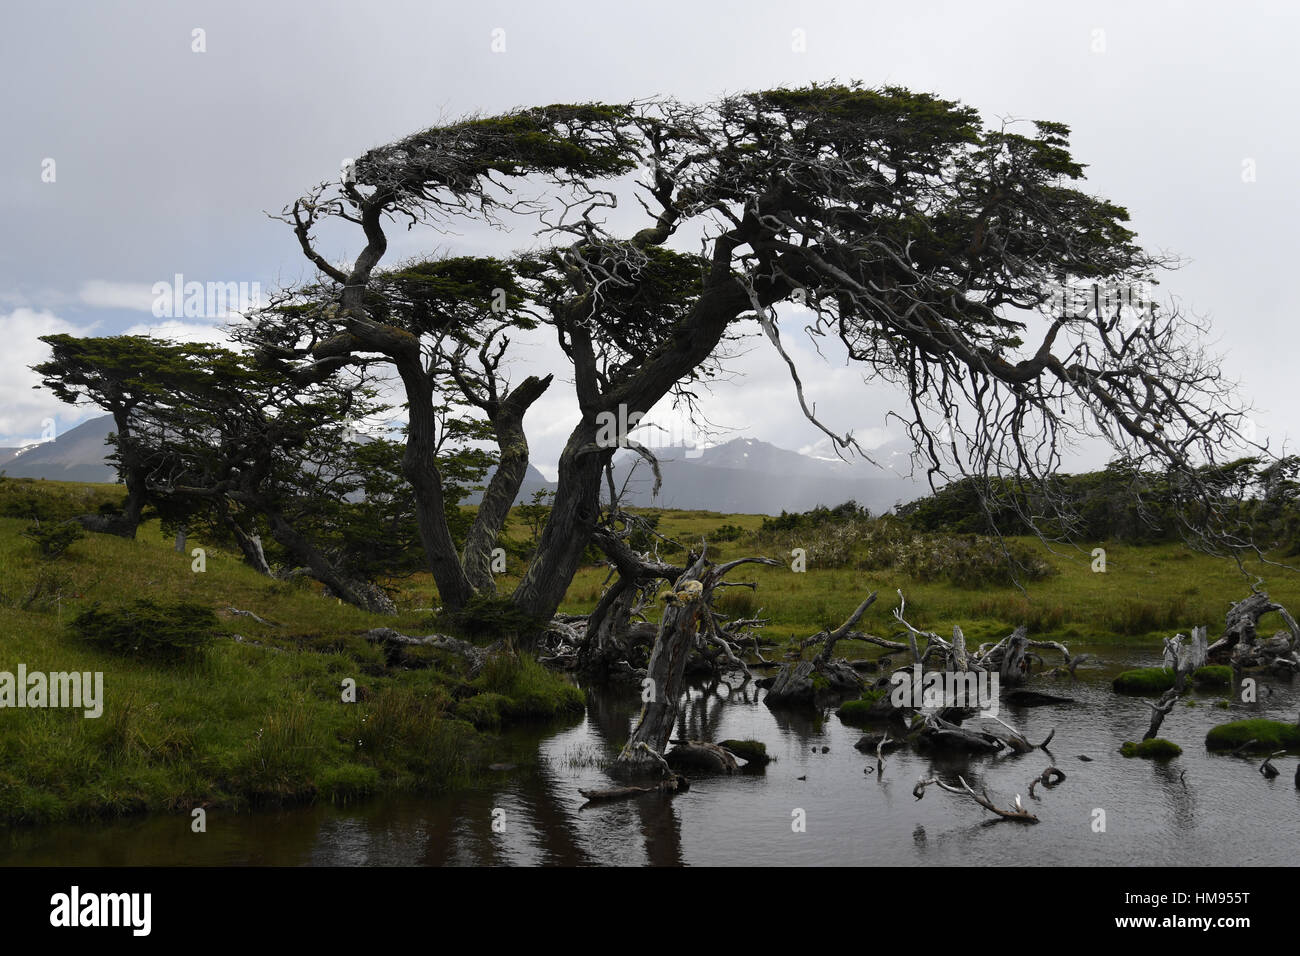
(122, 374)
(931, 246)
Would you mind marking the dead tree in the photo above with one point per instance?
(1241, 647)
(1185, 656)
(798, 683)
(686, 608)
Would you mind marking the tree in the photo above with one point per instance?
(120, 374)
(928, 244)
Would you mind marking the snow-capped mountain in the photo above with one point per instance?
(744, 475)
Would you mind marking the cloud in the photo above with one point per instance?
(104, 294)
(23, 404)
(174, 330)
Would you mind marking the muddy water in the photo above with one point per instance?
(1196, 809)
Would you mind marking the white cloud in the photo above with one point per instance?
(23, 404)
(104, 294)
(174, 330)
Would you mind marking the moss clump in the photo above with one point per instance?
(1212, 675)
(750, 751)
(1269, 735)
(1155, 749)
(872, 705)
(1144, 680)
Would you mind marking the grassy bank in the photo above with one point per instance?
(257, 717)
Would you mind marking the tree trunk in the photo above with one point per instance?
(420, 467)
(323, 570)
(512, 467)
(665, 675)
(569, 529)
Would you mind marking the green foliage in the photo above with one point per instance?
(486, 618)
(1212, 675)
(1268, 736)
(1144, 680)
(1157, 748)
(147, 629)
(864, 710)
(52, 540)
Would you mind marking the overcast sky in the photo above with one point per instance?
(165, 160)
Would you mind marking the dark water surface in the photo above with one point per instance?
(1195, 809)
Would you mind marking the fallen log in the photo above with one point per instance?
(674, 784)
(475, 656)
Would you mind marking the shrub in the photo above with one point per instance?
(526, 689)
(736, 603)
(54, 539)
(148, 630)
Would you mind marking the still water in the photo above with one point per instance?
(1195, 809)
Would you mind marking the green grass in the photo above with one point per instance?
(253, 722)
(1269, 736)
(1146, 592)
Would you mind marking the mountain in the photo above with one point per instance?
(744, 475)
(748, 476)
(76, 455)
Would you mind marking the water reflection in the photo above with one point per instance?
(1185, 811)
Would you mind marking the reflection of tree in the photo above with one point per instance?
(802, 725)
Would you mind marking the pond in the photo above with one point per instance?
(1195, 809)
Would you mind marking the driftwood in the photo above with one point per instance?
(1019, 813)
(1049, 778)
(1018, 742)
(686, 612)
(1241, 647)
(674, 784)
(1267, 768)
(236, 612)
(797, 682)
(942, 734)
